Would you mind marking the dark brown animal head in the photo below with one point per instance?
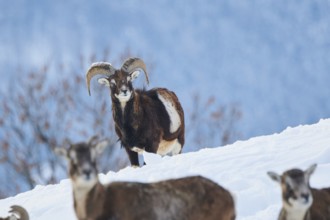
(119, 80)
(82, 161)
(296, 191)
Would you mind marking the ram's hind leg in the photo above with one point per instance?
(176, 149)
(181, 140)
(172, 147)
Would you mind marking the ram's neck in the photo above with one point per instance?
(122, 108)
(289, 214)
(88, 202)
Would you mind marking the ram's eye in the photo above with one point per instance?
(289, 191)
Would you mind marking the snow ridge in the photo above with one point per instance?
(240, 167)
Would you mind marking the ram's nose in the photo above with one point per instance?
(87, 173)
(305, 196)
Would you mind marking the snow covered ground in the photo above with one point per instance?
(240, 167)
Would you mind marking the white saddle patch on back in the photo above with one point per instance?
(172, 113)
(169, 147)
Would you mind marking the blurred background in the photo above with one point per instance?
(240, 69)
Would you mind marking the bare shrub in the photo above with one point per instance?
(39, 111)
(42, 108)
(210, 123)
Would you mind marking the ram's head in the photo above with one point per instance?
(119, 80)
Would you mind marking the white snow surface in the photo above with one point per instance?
(240, 167)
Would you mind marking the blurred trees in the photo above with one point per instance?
(40, 109)
(210, 123)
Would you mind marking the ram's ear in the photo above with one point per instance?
(62, 152)
(103, 81)
(92, 140)
(274, 176)
(135, 74)
(310, 170)
(99, 147)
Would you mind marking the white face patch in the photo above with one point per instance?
(123, 97)
(85, 175)
(172, 113)
(300, 204)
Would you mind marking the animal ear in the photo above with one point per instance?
(134, 75)
(99, 147)
(92, 139)
(60, 151)
(274, 176)
(310, 170)
(103, 81)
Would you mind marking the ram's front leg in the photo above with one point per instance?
(133, 157)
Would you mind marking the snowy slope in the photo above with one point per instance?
(240, 167)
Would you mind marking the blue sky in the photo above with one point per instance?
(271, 58)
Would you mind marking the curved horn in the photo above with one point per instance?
(20, 211)
(131, 64)
(102, 68)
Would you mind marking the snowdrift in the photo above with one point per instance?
(240, 167)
